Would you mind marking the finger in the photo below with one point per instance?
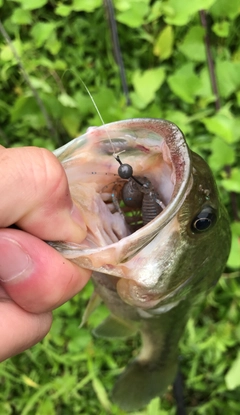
(36, 195)
(20, 329)
(34, 274)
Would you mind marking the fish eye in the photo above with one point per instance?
(204, 220)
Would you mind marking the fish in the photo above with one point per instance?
(149, 275)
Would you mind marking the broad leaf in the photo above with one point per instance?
(21, 17)
(32, 4)
(147, 83)
(180, 12)
(41, 32)
(232, 183)
(228, 77)
(232, 377)
(67, 101)
(134, 15)
(221, 29)
(163, 46)
(226, 8)
(86, 5)
(185, 83)
(234, 257)
(193, 44)
(224, 125)
(222, 154)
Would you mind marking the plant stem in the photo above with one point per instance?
(210, 62)
(116, 47)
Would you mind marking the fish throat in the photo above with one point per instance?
(135, 197)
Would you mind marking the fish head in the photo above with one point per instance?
(182, 250)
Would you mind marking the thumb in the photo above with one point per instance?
(37, 196)
(34, 274)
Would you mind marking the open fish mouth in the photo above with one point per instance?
(118, 241)
(96, 187)
(157, 152)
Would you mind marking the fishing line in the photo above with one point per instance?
(115, 155)
(125, 170)
(99, 114)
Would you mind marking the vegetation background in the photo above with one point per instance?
(163, 44)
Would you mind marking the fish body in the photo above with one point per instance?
(149, 276)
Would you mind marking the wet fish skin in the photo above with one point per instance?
(187, 263)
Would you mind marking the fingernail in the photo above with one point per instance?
(15, 263)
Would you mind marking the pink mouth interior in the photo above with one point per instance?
(93, 177)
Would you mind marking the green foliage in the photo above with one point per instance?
(146, 85)
(232, 377)
(163, 48)
(164, 43)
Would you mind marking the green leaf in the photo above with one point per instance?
(44, 142)
(71, 121)
(205, 90)
(193, 44)
(52, 105)
(21, 16)
(234, 257)
(154, 407)
(63, 10)
(232, 183)
(86, 5)
(134, 15)
(181, 119)
(222, 154)
(185, 83)
(147, 83)
(232, 377)
(67, 101)
(46, 406)
(53, 44)
(40, 84)
(155, 11)
(180, 12)
(22, 107)
(32, 4)
(6, 53)
(228, 77)
(163, 46)
(41, 32)
(221, 29)
(224, 125)
(226, 8)
(101, 394)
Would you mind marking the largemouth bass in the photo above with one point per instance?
(149, 276)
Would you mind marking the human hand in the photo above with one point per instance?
(34, 278)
